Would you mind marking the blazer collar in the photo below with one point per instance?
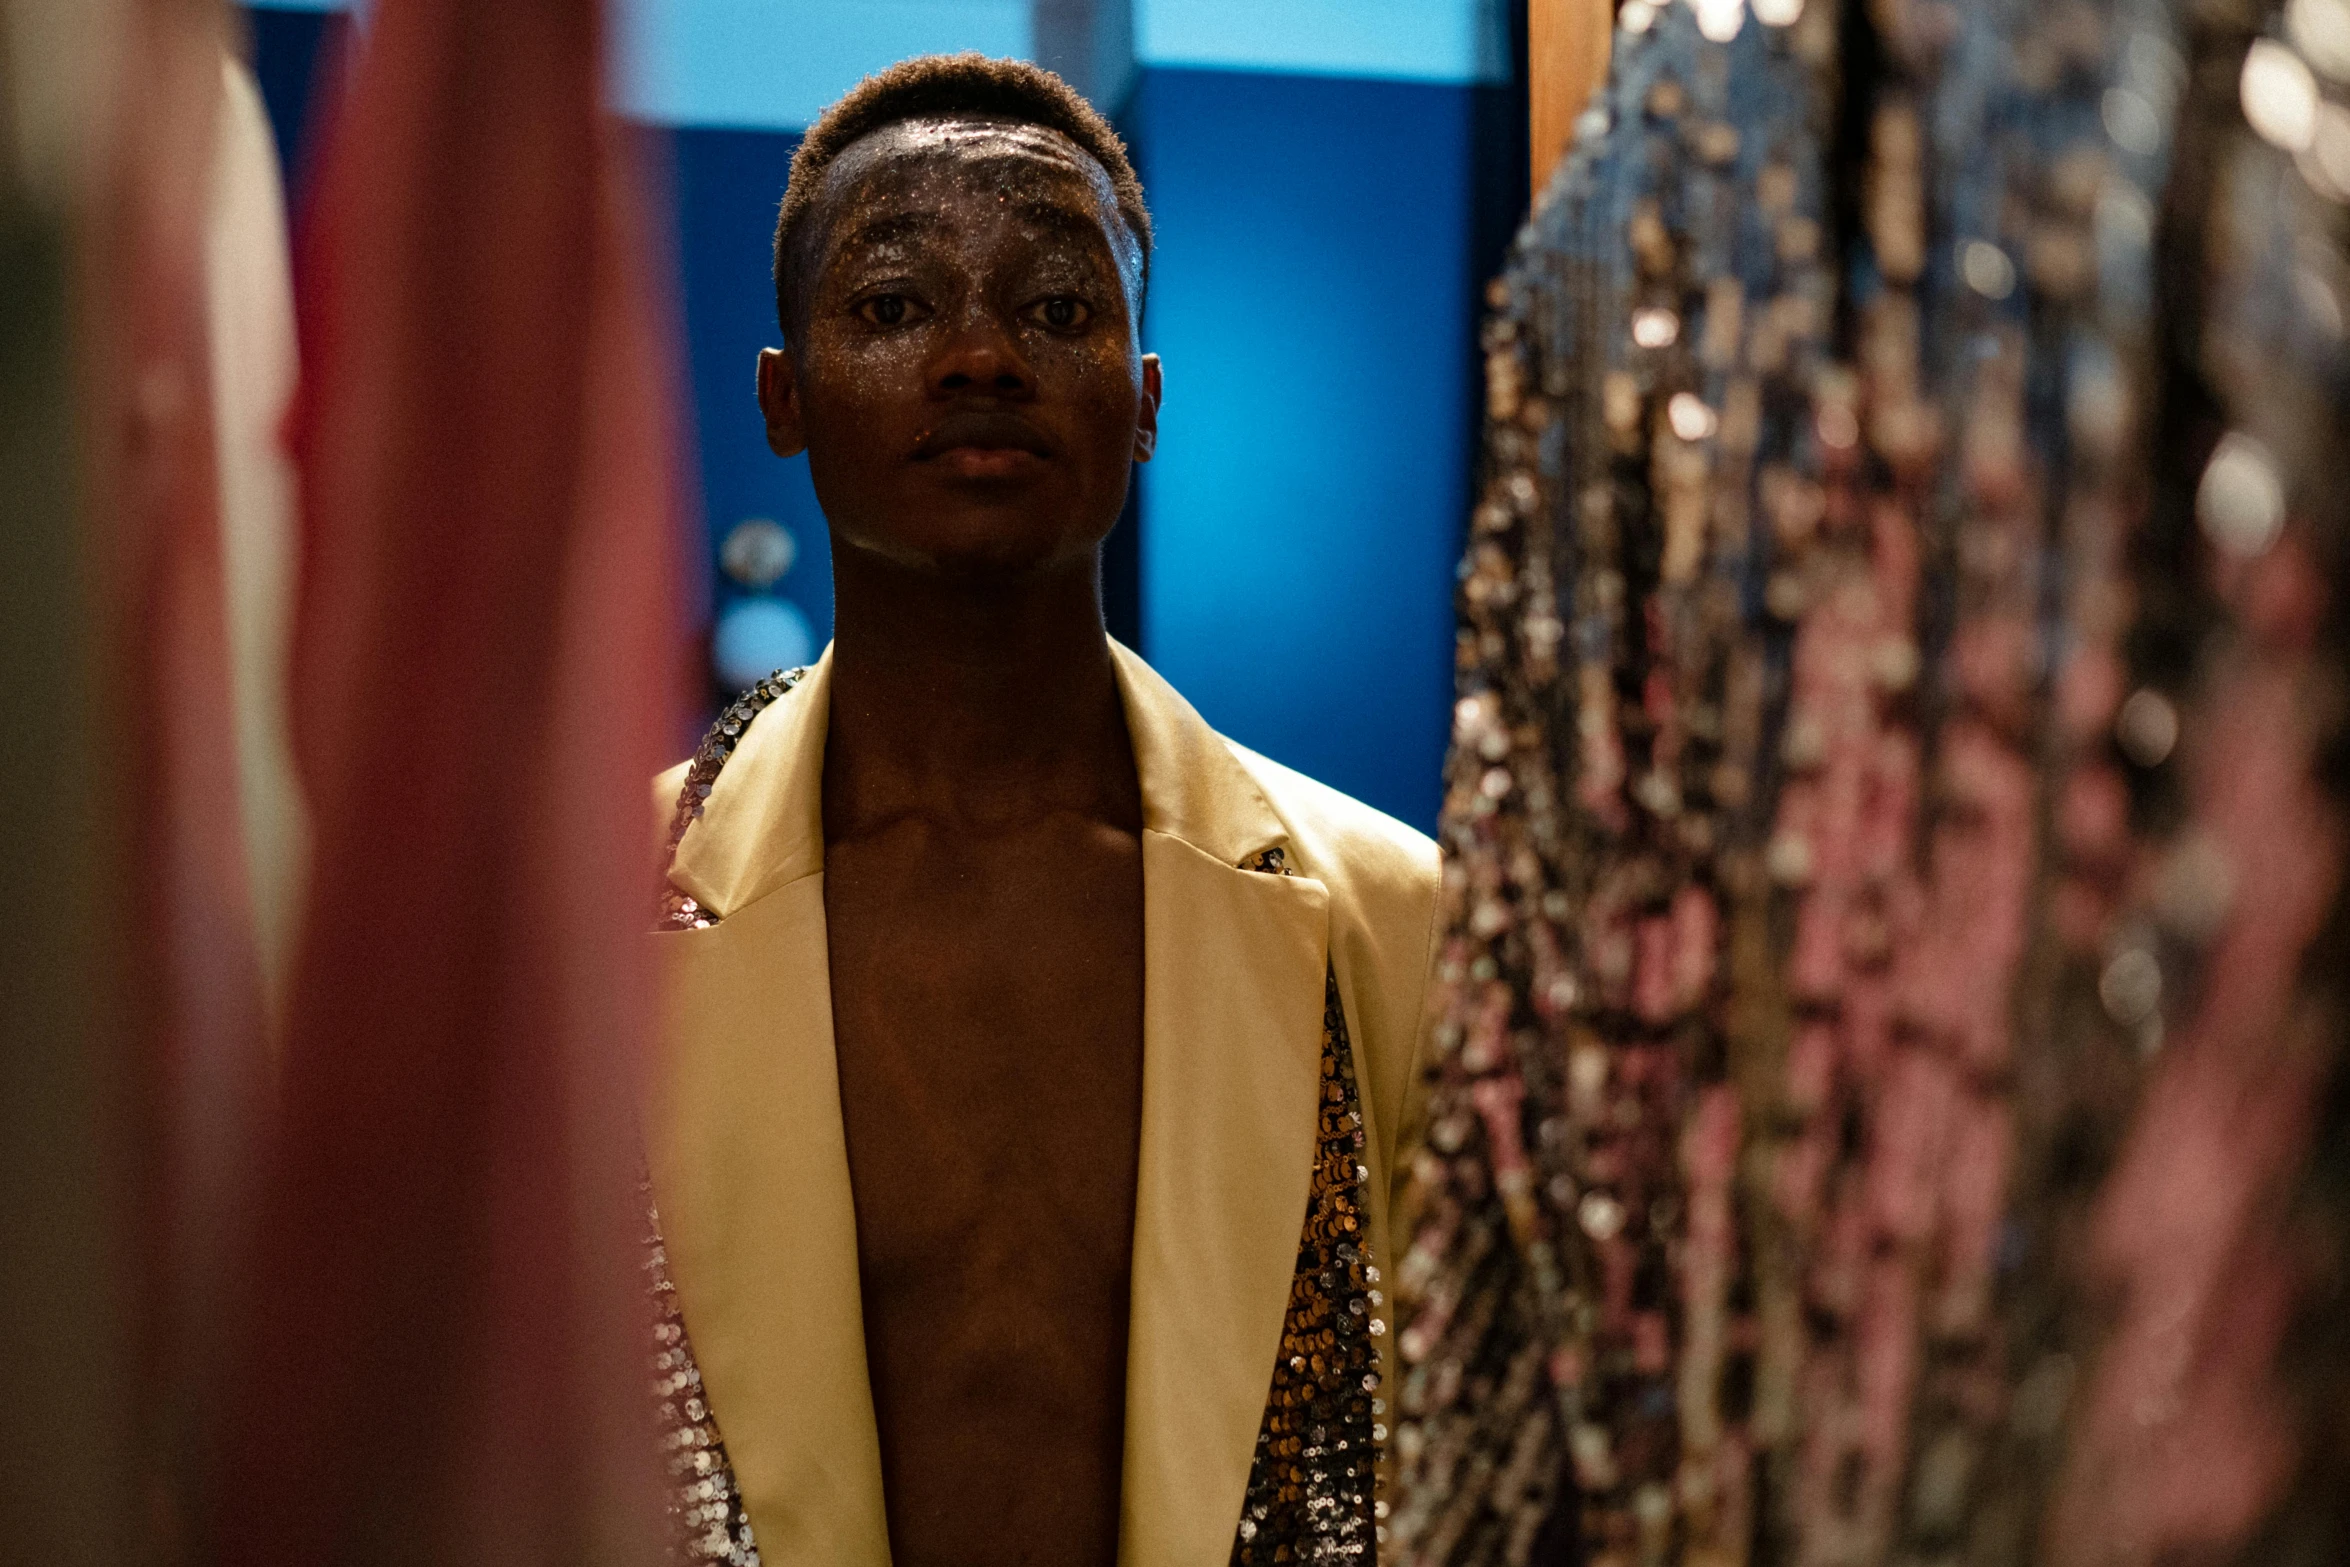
(1193, 787)
(763, 827)
(751, 1170)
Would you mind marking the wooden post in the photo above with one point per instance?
(1566, 60)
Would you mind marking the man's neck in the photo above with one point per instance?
(986, 701)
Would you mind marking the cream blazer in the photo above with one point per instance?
(750, 1167)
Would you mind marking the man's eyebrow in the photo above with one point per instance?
(1061, 219)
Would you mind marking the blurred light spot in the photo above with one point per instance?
(1787, 859)
(2195, 887)
(1778, 13)
(2318, 300)
(2279, 95)
(1655, 328)
(2125, 220)
(757, 552)
(2320, 29)
(1587, 1071)
(2147, 727)
(2154, 68)
(1986, 269)
(1719, 20)
(2097, 410)
(1839, 427)
(2130, 120)
(1601, 1216)
(2131, 987)
(2241, 499)
(758, 636)
(1637, 17)
(1690, 418)
(2326, 165)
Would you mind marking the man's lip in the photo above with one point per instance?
(985, 462)
(982, 432)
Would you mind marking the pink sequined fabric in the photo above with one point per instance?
(1889, 1103)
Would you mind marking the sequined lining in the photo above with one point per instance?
(1311, 1489)
(1313, 1486)
(707, 1523)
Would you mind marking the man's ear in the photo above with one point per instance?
(1146, 418)
(779, 400)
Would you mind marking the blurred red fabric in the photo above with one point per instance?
(444, 1356)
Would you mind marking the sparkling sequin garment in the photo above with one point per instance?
(2210, 1418)
(1796, 990)
(1312, 1488)
(1586, 1368)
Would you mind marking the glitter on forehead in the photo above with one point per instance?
(965, 147)
(977, 130)
(900, 158)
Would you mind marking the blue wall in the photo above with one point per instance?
(1312, 297)
(727, 185)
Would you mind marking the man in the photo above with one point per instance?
(1037, 1059)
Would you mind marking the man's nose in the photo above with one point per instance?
(980, 355)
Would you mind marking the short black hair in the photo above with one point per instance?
(931, 85)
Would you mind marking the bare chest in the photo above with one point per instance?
(987, 1022)
(987, 1017)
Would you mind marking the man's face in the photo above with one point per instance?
(967, 386)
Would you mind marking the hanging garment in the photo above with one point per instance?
(1286, 937)
(440, 1348)
(1906, 425)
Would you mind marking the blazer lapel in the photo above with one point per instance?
(749, 1160)
(1235, 963)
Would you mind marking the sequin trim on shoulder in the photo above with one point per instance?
(679, 911)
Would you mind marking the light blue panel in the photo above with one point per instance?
(776, 64)
(1312, 295)
(1412, 40)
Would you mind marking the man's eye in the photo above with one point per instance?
(1062, 312)
(886, 309)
